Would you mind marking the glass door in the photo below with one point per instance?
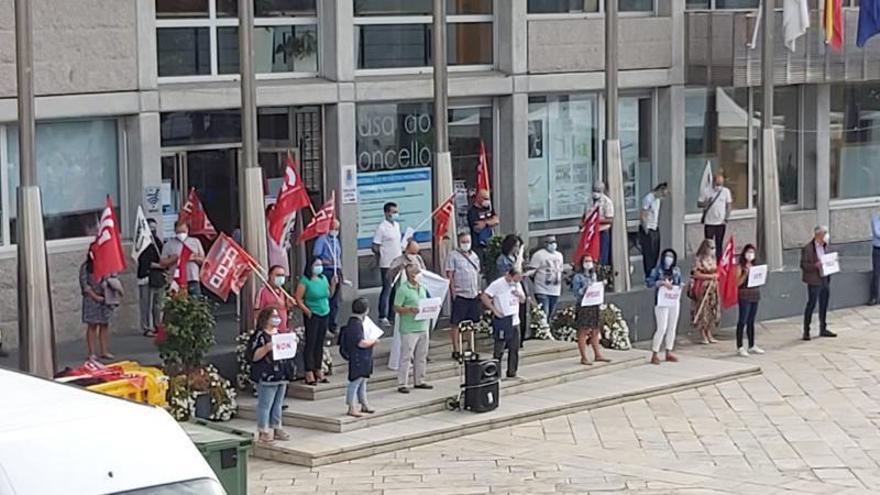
(214, 175)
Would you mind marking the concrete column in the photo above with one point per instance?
(512, 167)
(337, 61)
(671, 166)
(147, 58)
(144, 162)
(340, 149)
(823, 154)
(511, 38)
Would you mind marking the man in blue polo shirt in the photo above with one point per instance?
(328, 249)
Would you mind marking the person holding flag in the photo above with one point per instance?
(482, 221)
(147, 251)
(706, 307)
(328, 249)
(172, 251)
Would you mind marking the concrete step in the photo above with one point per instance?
(314, 448)
(329, 414)
(440, 367)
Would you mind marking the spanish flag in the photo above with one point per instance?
(832, 21)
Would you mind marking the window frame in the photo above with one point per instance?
(847, 203)
(599, 14)
(214, 23)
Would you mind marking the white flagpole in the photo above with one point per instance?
(754, 42)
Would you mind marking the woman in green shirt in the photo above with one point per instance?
(313, 298)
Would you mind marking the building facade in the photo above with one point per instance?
(139, 99)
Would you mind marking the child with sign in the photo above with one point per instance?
(666, 279)
(590, 294)
(503, 297)
(749, 294)
(268, 372)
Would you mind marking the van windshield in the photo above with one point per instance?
(202, 486)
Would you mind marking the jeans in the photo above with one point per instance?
(385, 295)
(650, 242)
(357, 388)
(316, 332)
(716, 233)
(506, 336)
(605, 247)
(270, 398)
(414, 354)
(747, 313)
(148, 297)
(814, 293)
(666, 318)
(875, 280)
(548, 303)
(194, 288)
(334, 308)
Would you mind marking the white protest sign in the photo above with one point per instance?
(407, 235)
(830, 264)
(429, 309)
(371, 330)
(283, 346)
(757, 276)
(668, 297)
(594, 295)
(436, 285)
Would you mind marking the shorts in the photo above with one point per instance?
(464, 309)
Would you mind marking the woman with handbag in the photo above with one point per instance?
(703, 291)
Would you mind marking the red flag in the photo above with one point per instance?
(193, 213)
(106, 251)
(589, 241)
(291, 198)
(727, 288)
(322, 221)
(179, 279)
(226, 268)
(442, 216)
(832, 21)
(483, 170)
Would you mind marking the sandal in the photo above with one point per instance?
(586, 362)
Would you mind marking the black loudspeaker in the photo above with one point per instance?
(481, 385)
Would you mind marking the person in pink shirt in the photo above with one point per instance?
(272, 295)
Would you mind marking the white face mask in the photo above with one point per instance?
(551, 247)
(182, 236)
(750, 256)
(668, 261)
(597, 195)
(465, 246)
(827, 238)
(333, 233)
(588, 266)
(486, 204)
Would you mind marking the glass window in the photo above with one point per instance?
(636, 5)
(717, 132)
(77, 167)
(785, 127)
(276, 49)
(737, 4)
(183, 51)
(563, 155)
(855, 140)
(175, 9)
(270, 8)
(562, 6)
(385, 46)
(636, 119)
(419, 7)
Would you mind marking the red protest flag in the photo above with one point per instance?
(589, 241)
(483, 169)
(291, 198)
(106, 250)
(194, 215)
(322, 221)
(179, 278)
(727, 287)
(442, 216)
(226, 267)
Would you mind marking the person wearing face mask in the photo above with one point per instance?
(649, 232)
(547, 263)
(511, 258)
(667, 275)
(716, 204)
(171, 252)
(706, 307)
(818, 285)
(270, 375)
(606, 217)
(151, 282)
(748, 302)
(328, 249)
(313, 298)
(463, 272)
(386, 247)
(413, 333)
(482, 221)
(503, 297)
(270, 295)
(410, 256)
(586, 317)
(358, 351)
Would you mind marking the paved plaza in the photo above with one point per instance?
(810, 423)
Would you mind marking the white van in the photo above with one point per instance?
(61, 439)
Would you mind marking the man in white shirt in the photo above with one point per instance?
(716, 204)
(649, 233)
(503, 297)
(547, 263)
(606, 218)
(386, 247)
(171, 253)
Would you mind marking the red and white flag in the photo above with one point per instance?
(179, 279)
(106, 250)
(194, 215)
(483, 170)
(589, 241)
(226, 267)
(291, 198)
(727, 288)
(322, 221)
(442, 216)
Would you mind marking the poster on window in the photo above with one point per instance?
(570, 158)
(410, 189)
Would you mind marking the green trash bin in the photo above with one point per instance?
(225, 450)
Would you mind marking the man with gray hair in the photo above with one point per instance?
(606, 218)
(818, 284)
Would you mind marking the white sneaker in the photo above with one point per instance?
(384, 322)
(756, 350)
(742, 352)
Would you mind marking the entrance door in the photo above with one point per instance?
(214, 174)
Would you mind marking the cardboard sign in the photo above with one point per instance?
(830, 264)
(594, 295)
(429, 309)
(668, 297)
(371, 330)
(757, 276)
(283, 346)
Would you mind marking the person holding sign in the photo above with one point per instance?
(665, 278)
(503, 297)
(587, 316)
(749, 295)
(357, 348)
(818, 282)
(269, 373)
(413, 330)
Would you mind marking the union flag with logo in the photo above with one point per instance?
(194, 215)
(322, 221)
(291, 198)
(106, 250)
(226, 268)
(589, 241)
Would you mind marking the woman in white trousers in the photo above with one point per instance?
(665, 278)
